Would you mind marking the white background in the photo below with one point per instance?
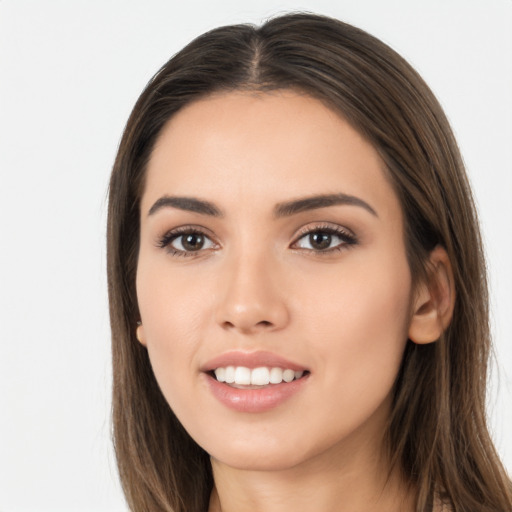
(70, 71)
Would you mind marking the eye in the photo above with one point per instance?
(186, 241)
(324, 239)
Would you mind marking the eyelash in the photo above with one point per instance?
(165, 241)
(348, 239)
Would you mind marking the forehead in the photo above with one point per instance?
(243, 148)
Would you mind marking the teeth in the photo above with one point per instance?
(242, 375)
(288, 375)
(230, 374)
(261, 376)
(220, 374)
(276, 375)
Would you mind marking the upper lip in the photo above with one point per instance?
(251, 360)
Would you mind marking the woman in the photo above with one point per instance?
(297, 286)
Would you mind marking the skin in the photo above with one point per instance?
(258, 284)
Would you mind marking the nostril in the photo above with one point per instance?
(263, 324)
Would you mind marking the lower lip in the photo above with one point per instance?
(254, 400)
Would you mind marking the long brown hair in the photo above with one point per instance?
(437, 432)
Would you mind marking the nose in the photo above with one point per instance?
(250, 298)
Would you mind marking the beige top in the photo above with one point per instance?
(439, 506)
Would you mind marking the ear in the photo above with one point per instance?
(434, 300)
(139, 334)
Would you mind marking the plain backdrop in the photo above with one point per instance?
(70, 71)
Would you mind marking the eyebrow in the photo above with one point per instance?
(321, 201)
(189, 204)
(286, 209)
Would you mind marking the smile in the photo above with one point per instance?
(257, 377)
(254, 382)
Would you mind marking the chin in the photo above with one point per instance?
(260, 460)
(267, 453)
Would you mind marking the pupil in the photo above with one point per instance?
(320, 240)
(193, 242)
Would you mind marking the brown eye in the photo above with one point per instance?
(319, 240)
(325, 239)
(192, 241)
(186, 242)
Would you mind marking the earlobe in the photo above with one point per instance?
(434, 300)
(139, 334)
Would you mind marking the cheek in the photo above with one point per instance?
(360, 327)
(172, 313)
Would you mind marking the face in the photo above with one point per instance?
(272, 249)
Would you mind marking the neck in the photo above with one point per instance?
(347, 480)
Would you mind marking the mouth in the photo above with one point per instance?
(254, 382)
(242, 377)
